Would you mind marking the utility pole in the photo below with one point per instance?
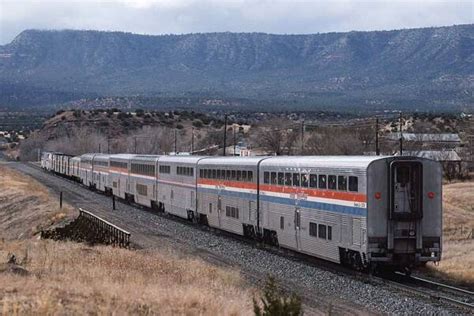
(302, 136)
(225, 133)
(401, 135)
(135, 142)
(192, 140)
(108, 144)
(377, 148)
(233, 131)
(100, 149)
(175, 142)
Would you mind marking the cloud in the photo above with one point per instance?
(187, 16)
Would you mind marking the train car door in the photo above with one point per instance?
(252, 212)
(298, 227)
(219, 209)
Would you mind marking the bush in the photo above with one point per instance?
(179, 126)
(122, 116)
(198, 123)
(277, 303)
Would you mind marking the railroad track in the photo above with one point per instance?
(141, 225)
(436, 290)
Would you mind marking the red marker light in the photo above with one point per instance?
(431, 195)
(378, 195)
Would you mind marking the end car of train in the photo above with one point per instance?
(362, 211)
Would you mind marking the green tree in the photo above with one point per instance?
(276, 303)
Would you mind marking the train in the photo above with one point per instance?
(367, 212)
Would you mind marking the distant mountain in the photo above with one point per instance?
(431, 68)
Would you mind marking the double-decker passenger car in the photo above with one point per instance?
(227, 193)
(177, 177)
(119, 175)
(100, 172)
(143, 174)
(361, 211)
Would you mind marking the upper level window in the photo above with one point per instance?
(273, 178)
(332, 182)
(322, 181)
(313, 181)
(296, 179)
(353, 184)
(266, 177)
(165, 169)
(304, 180)
(281, 178)
(342, 183)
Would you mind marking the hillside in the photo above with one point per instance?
(413, 68)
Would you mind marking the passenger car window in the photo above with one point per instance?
(353, 184)
(296, 179)
(313, 229)
(250, 175)
(274, 178)
(281, 178)
(287, 178)
(304, 180)
(266, 177)
(322, 181)
(313, 181)
(322, 231)
(342, 183)
(332, 182)
(239, 175)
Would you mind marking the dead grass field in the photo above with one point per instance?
(457, 262)
(26, 206)
(70, 278)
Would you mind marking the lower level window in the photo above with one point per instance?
(231, 211)
(322, 231)
(142, 189)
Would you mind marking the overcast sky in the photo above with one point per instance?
(270, 16)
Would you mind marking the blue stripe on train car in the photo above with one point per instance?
(342, 209)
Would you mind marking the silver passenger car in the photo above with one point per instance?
(177, 177)
(143, 175)
(363, 211)
(100, 172)
(119, 175)
(227, 193)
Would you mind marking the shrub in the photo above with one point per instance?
(277, 303)
(198, 123)
(122, 116)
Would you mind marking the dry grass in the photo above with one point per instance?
(457, 262)
(26, 206)
(70, 278)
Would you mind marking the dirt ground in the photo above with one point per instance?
(457, 262)
(48, 277)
